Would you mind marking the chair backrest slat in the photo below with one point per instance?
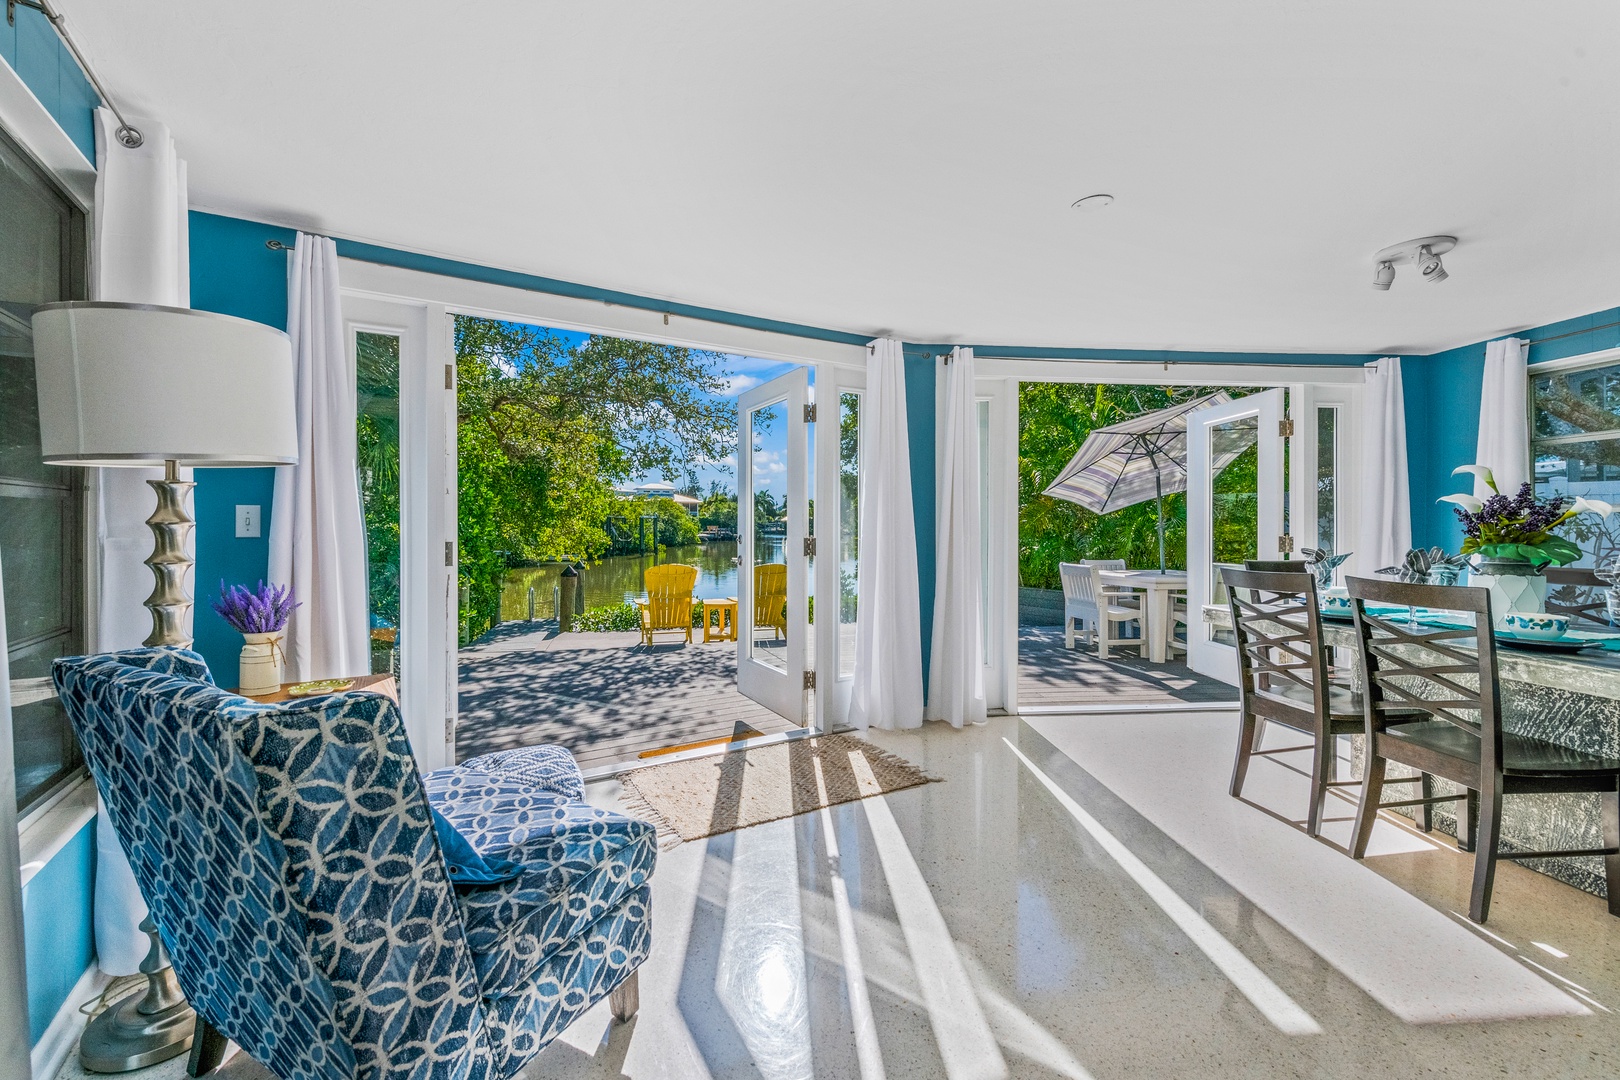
(1579, 593)
(1279, 634)
(1415, 667)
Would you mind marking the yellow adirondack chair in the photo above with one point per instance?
(770, 598)
(668, 606)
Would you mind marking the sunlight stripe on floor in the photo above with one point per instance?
(1283, 1012)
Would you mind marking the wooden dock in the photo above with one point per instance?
(608, 698)
(1049, 674)
(605, 697)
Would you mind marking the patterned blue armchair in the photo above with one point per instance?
(294, 873)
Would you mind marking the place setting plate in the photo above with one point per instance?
(1549, 645)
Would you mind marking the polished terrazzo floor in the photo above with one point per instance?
(1080, 898)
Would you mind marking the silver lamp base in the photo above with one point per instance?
(155, 1024)
(144, 1027)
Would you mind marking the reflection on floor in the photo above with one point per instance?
(1110, 914)
(606, 697)
(1080, 898)
(1050, 675)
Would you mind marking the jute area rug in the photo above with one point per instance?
(687, 800)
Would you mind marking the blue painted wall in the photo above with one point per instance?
(233, 273)
(57, 939)
(1442, 413)
(921, 372)
(32, 49)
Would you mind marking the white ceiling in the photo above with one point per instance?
(908, 168)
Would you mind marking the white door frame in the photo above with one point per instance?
(1324, 384)
(429, 600)
(1205, 655)
(782, 690)
(832, 687)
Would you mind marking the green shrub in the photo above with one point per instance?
(613, 617)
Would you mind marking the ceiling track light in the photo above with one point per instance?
(1424, 253)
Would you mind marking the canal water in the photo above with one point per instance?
(620, 578)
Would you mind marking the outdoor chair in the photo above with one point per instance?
(1579, 593)
(1450, 725)
(668, 606)
(770, 598)
(1079, 602)
(1283, 679)
(295, 874)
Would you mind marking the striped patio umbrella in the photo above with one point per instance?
(1138, 459)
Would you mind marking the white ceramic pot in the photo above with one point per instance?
(1512, 592)
(259, 670)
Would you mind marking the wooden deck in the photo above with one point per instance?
(605, 697)
(1049, 674)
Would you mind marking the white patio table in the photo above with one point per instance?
(1156, 608)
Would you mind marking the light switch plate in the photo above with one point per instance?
(247, 520)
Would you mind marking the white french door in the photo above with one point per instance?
(773, 523)
(1235, 505)
(838, 438)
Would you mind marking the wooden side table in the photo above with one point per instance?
(727, 628)
(370, 684)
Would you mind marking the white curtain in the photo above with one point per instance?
(887, 689)
(317, 539)
(1504, 417)
(140, 255)
(1384, 531)
(956, 669)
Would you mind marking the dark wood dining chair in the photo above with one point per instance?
(1460, 737)
(1579, 593)
(1283, 677)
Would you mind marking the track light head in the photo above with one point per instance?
(1383, 276)
(1430, 268)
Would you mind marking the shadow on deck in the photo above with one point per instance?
(1049, 674)
(605, 697)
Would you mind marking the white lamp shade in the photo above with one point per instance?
(134, 384)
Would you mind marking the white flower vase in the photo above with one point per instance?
(259, 670)
(1512, 591)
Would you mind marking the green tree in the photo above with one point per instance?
(547, 429)
(1053, 421)
(676, 527)
(377, 443)
(719, 507)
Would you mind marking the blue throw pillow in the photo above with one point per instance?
(465, 865)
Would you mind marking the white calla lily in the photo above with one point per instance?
(1479, 472)
(1591, 506)
(1467, 502)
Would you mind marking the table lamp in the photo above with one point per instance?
(126, 385)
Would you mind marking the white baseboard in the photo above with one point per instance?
(53, 1048)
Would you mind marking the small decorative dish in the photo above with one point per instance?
(319, 686)
(1335, 604)
(1534, 625)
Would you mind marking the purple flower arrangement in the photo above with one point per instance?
(264, 610)
(1519, 528)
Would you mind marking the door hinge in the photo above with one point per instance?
(809, 546)
(449, 377)
(1285, 428)
(809, 680)
(1285, 544)
(449, 553)
(809, 414)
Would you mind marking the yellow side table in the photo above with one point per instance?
(727, 628)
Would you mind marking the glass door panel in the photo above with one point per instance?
(773, 586)
(377, 441)
(1235, 495)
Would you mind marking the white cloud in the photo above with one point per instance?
(738, 385)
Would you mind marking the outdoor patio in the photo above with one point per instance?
(1049, 674)
(604, 696)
